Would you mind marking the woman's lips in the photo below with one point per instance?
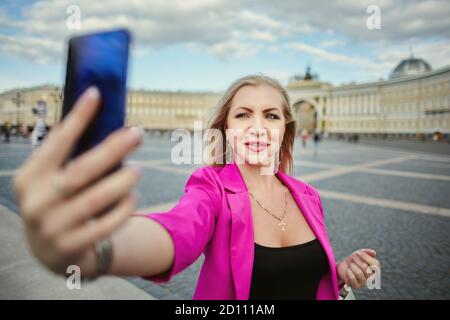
(257, 146)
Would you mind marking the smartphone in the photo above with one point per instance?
(101, 60)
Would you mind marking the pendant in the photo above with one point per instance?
(282, 224)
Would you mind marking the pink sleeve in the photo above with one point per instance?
(191, 221)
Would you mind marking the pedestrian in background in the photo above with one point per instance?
(7, 131)
(316, 138)
(40, 129)
(304, 135)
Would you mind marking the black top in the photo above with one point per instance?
(290, 272)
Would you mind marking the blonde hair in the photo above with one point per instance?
(219, 116)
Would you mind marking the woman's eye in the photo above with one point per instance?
(242, 115)
(272, 116)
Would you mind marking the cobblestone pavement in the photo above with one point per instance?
(392, 200)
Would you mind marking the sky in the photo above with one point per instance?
(204, 45)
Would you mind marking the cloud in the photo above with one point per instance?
(327, 55)
(39, 50)
(239, 29)
(382, 60)
(331, 43)
(262, 36)
(400, 19)
(373, 69)
(225, 50)
(222, 28)
(437, 53)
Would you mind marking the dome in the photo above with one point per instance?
(410, 67)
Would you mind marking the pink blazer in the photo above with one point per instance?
(214, 217)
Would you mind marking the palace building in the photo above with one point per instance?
(151, 110)
(413, 102)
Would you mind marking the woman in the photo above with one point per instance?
(262, 232)
(40, 129)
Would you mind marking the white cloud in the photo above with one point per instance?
(240, 29)
(436, 53)
(37, 49)
(327, 55)
(156, 23)
(262, 36)
(259, 20)
(372, 69)
(331, 43)
(233, 49)
(400, 19)
(382, 60)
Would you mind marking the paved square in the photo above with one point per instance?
(392, 200)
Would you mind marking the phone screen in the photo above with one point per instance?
(100, 60)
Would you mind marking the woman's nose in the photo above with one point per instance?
(257, 127)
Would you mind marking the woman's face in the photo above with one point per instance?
(255, 125)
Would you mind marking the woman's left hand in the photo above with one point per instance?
(354, 270)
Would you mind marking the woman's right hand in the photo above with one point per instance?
(60, 226)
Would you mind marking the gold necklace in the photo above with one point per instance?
(281, 224)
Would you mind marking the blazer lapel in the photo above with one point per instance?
(242, 243)
(242, 236)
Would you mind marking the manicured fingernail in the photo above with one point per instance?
(134, 135)
(92, 92)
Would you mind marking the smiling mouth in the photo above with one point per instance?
(256, 146)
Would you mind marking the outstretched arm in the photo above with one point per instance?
(59, 205)
(141, 247)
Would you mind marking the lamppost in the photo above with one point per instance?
(18, 101)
